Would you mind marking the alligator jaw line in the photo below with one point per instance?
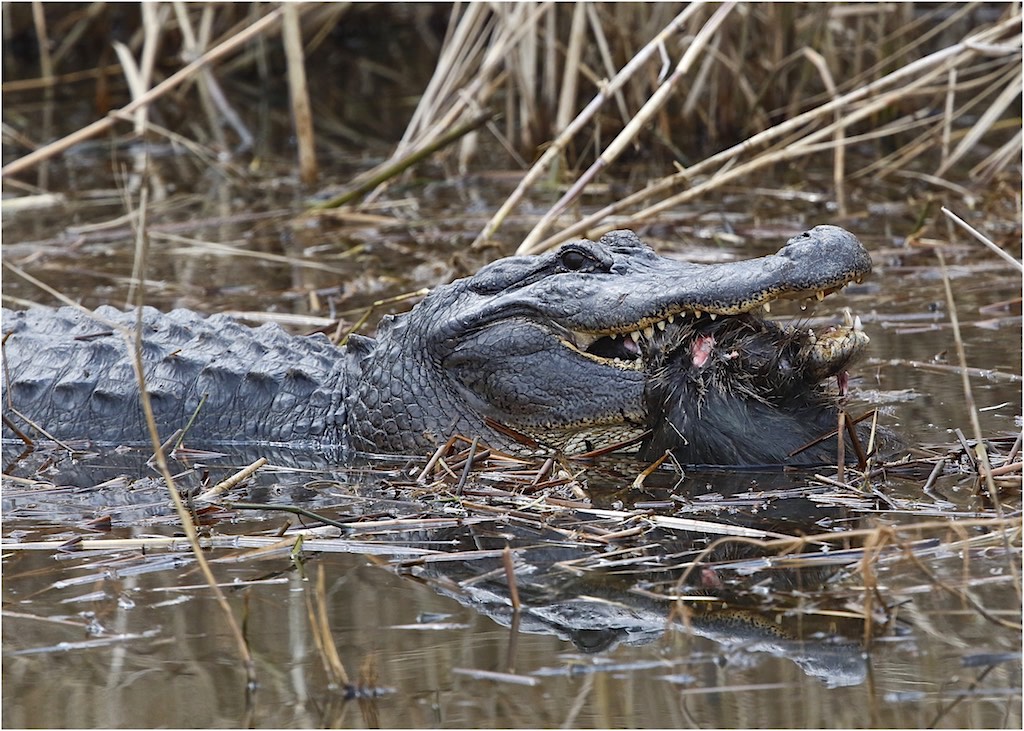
(583, 341)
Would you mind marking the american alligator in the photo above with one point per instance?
(575, 349)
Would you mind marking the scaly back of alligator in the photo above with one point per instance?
(71, 374)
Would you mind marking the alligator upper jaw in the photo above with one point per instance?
(612, 324)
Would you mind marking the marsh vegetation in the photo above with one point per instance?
(318, 165)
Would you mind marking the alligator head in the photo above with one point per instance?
(596, 342)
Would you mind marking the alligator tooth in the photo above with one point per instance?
(635, 335)
(767, 306)
(649, 332)
(847, 317)
(820, 295)
(671, 318)
(813, 337)
(697, 313)
(714, 315)
(661, 324)
(857, 325)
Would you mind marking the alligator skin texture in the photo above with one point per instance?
(70, 374)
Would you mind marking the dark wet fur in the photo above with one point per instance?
(752, 403)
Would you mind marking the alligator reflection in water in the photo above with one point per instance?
(599, 592)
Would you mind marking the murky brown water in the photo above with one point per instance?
(126, 638)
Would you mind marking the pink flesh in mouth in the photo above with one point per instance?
(703, 345)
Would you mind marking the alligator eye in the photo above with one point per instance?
(573, 260)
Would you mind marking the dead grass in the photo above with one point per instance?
(723, 93)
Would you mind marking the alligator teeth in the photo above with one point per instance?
(649, 332)
(820, 295)
(635, 335)
(767, 306)
(714, 315)
(697, 313)
(585, 340)
(671, 318)
(857, 325)
(661, 324)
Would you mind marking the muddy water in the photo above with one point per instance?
(133, 638)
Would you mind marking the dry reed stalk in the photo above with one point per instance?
(947, 117)
(558, 145)
(209, 248)
(204, 153)
(46, 66)
(638, 481)
(605, 52)
(138, 76)
(342, 340)
(47, 69)
(135, 296)
(1009, 95)
(397, 165)
(133, 340)
(687, 524)
(872, 100)
(962, 593)
(458, 50)
(102, 125)
(509, 565)
(243, 474)
(70, 38)
(904, 155)
(299, 92)
(633, 128)
(321, 624)
(983, 239)
(212, 97)
(1002, 158)
(429, 123)
(984, 467)
(839, 161)
(990, 374)
(570, 70)
(520, 102)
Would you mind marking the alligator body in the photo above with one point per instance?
(591, 344)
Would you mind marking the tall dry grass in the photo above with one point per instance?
(712, 93)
